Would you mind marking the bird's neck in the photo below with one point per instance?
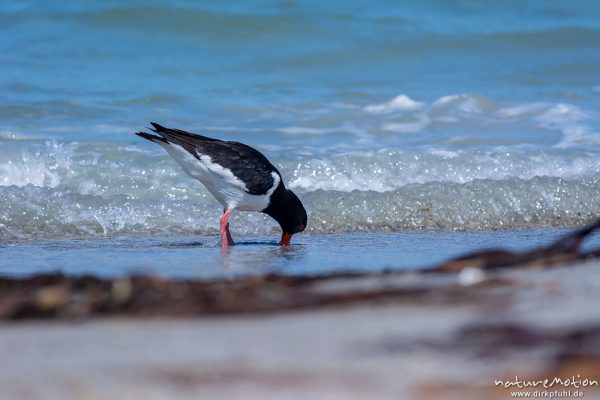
(276, 207)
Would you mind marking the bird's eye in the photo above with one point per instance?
(302, 226)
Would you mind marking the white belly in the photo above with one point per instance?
(220, 182)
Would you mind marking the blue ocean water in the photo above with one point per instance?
(383, 116)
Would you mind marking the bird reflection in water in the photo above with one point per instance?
(261, 257)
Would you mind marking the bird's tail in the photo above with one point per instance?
(151, 137)
(172, 133)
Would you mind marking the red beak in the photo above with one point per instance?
(285, 239)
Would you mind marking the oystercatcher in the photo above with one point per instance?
(237, 175)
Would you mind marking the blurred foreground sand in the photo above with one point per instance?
(535, 324)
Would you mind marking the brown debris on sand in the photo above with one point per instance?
(64, 297)
(562, 251)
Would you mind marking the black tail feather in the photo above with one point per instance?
(157, 127)
(169, 133)
(151, 137)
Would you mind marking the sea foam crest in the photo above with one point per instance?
(45, 213)
(388, 170)
(399, 103)
(40, 165)
(571, 121)
(463, 102)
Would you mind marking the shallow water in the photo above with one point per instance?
(310, 254)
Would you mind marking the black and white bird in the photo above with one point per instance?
(237, 175)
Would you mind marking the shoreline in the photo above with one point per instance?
(63, 296)
(73, 297)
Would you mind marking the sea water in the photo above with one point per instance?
(386, 118)
(310, 254)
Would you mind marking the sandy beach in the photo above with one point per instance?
(430, 336)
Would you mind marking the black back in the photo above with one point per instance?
(245, 162)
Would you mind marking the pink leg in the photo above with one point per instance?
(229, 238)
(226, 239)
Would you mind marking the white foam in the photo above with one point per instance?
(572, 122)
(390, 170)
(578, 135)
(398, 103)
(443, 153)
(473, 114)
(521, 110)
(41, 167)
(561, 114)
(462, 101)
(478, 205)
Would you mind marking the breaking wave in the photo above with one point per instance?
(56, 190)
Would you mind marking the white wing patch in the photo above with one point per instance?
(221, 182)
(224, 173)
(252, 202)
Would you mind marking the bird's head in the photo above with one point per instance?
(290, 214)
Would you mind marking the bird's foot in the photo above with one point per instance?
(226, 239)
(230, 242)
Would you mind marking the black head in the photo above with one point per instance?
(287, 209)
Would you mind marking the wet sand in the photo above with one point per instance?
(429, 336)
